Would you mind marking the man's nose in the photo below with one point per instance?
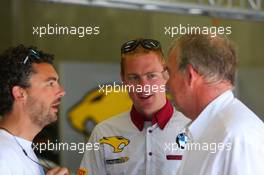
(61, 91)
(143, 81)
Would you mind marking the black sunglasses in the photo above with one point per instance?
(32, 54)
(150, 44)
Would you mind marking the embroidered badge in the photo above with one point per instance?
(174, 157)
(182, 140)
(82, 172)
(118, 160)
(117, 142)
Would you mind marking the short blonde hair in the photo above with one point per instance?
(139, 50)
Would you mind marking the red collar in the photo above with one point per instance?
(161, 117)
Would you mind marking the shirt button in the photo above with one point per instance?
(150, 153)
(150, 131)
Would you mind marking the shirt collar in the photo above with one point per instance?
(197, 127)
(161, 117)
(25, 143)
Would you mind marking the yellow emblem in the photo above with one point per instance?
(117, 142)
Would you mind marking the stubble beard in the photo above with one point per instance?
(39, 114)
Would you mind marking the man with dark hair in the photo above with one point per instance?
(225, 137)
(143, 140)
(29, 98)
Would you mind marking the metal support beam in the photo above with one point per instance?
(214, 8)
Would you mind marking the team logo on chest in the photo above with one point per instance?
(117, 142)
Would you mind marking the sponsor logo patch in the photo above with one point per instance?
(117, 161)
(82, 172)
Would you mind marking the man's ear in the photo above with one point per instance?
(192, 75)
(19, 93)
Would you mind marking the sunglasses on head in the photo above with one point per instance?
(32, 54)
(146, 43)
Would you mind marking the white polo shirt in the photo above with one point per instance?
(130, 146)
(234, 136)
(13, 160)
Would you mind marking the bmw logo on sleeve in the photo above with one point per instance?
(181, 140)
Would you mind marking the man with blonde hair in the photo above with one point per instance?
(140, 141)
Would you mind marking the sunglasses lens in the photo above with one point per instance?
(151, 44)
(129, 46)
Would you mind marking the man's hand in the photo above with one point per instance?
(58, 171)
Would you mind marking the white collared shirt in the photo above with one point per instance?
(146, 152)
(227, 138)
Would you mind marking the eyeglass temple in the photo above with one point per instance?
(34, 53)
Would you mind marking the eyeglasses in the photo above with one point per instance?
(146, 43)
(151, 77)
(32, 54)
